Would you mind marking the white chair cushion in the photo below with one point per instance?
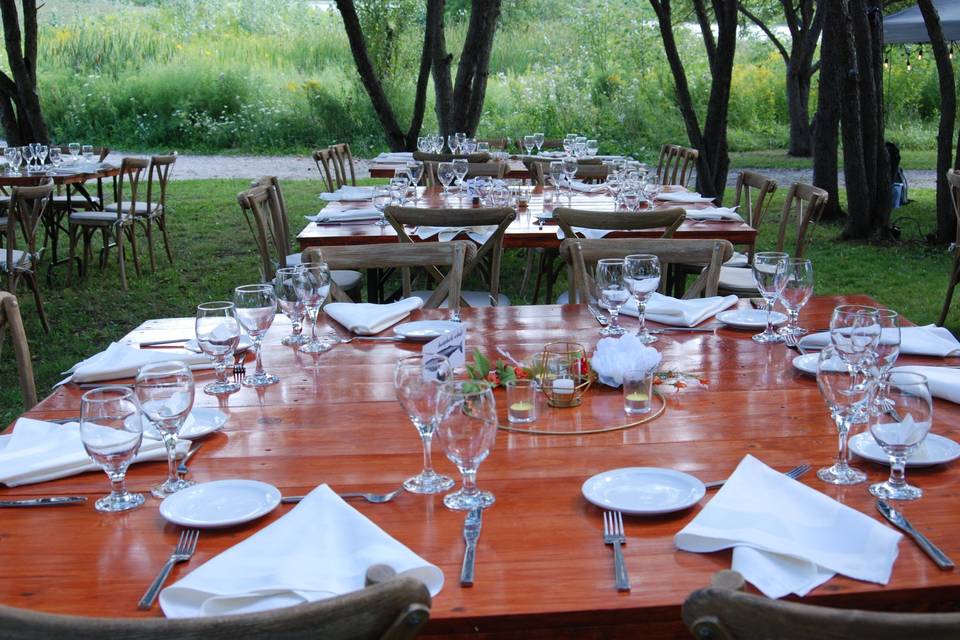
(345, 279)
(737, 278)
(736, 260)
(76, 199)
(95, 216)
(140, 208)
(20, 259)
(564, 298)
(473, 298)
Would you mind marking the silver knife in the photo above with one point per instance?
(683, 329)
(471, 532)
(897, 519)
(600, 318)
(51, 501)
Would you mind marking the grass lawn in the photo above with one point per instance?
(214, 253)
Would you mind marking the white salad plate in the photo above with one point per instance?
(201, 421)
(221, 503)
(425, 329)
(750, 318)
(643, 490)
(933, 450)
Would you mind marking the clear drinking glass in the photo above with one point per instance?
(165, 391)
(382, 198)
(770, 276)
(630, 196)
(74, 148)
(467, 428)
(570, 166)
(218, 333)
(611, 284)
(12, 154)
(642, 275)
(111, 429)
(846, 400)
(27, 153)
(87, 152)
(888, 344)
(899, 428)
(637, 389)
(521, 401)
(469, 146)
(855, 332)
(41, 153)
(796, 293)
(290, 304)
(461, 138)
(312, 282)
(55, 158)
(445, 175)
(538, 139)
(529, 143)
(651, 187)
(556, 174)
(414, 173)
(256, 308)
(593, 147)
(417, 381)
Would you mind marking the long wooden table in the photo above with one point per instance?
(542, 568)
(379, 169)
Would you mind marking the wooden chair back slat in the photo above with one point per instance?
(670, 219)
(257, 205)
(328, 168)
(131, 174)
(754, 193)
(10, 319)
(25, 211)
(160, 167)
(280, 221)
(806, 203)
(344, 158)
(676, 164)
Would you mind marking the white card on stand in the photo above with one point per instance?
(451, 345)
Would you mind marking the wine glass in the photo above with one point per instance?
(651, 187)
(556, 174)
(41, 154)
(469, 145)
(796, 293)
(529, 143)
(445, 175)
(846, 400)
(630, 196)
(417, 381)
(570, 166)
(27, 153)
(87, 152)
(899, 428)
(414, 173)
(111, 429)
(12, 154)
(593, 147)
(460, 169)
(538, 139)
(165, 391)
(483, 147)
(290, 304)
(452, 142)
(424, 144)
(312, 282)
(74, 148)
(460, 138)
(256, 308)
(218, 333)
(769, 274)
(55, 158)
(609, 277)
(467, 428)
(382, 198)
(642, 275)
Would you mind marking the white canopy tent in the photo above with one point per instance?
(907, 27)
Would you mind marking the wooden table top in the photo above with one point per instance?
(525, 231)
(515, 169)
(541, 564)
(65, 175)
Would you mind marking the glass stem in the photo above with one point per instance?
(469, 480)
(427, 454)
(769, 317)
(220, 367)
(256, 346)
(843, 453)
(898, 465)
(171, 443)
(641, 316)
(117, 489)
(313, 318)
(614, 317)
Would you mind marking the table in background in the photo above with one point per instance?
(516, 170)
(542, 568)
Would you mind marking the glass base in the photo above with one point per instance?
(461, 501)
(427, 483)
(294, 340)
(892, 492)
(612, 331)
(163, 490)
(646, 337)
(841, 475)
(792, 331)
(119, 502)
(220, 388)
(260, 380)
(768, 338)
(382, 222)
(317, 346)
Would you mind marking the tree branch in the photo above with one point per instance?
(769, 33)
(30, 37)
(708, 41)
(423, 77)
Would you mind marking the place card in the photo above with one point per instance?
(451, 344)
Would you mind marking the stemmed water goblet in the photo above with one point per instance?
(630, 195)
(796, 293)
(414, 173)
(529, 143)
(769, 274)
(467, 429)
(460, 169)
(218, 333)
(27, 153)
(556, 175)
(650, 184)
(74, 148)
(538, 140)
(855, 332)
(87, 152)
(445, 175)
(256, 307)
(312, 283)
(166, 391)
(284, 286)
(613, 291)
(483, 185)
(899, 427)
(41, 154)
(55, 158)
(568, 142)
(111, 429)
(382, 198)
(424, 144)
(846, 400)
(417, 381)
(12, 154)
(460, 138)
(570, 166)
(452, 142)
(469, 145)
(593, 147)
(642, 275)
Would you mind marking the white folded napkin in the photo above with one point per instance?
(37, 451)
(348, 193)
(944, 382)
(713, 213)
(590, 234)
(680, 313)
(122, 361)
(445, 234)
(929, 340)
(366, 319)
(394, 157)
(349, 215)
(579, 185)
(787, 537)
(321, 549)
(683, 197)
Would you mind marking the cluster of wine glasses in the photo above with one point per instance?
(462, 413)
(855, 377)
(561, 173)
(631, 184)
(34, 156)
(579, 146)
(533, 143)
(619, 279)
(789, 281)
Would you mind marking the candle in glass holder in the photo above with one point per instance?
(521, 401)
(563, 388)
(637, 387)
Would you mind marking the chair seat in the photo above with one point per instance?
(737, 279)
(564, 298)
(96, 217)
(76, 200)
(140, 208)
(344, 278)
(21, 259)
(736, 260)
(473, 298)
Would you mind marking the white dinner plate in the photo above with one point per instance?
(222, 503)
(643, 490)
(201, 421)
(425, 329)
(807, 363)
(244, 344)
(933, 450)
(750, 318)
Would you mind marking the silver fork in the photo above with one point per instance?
(613, 534)
(793, 474)
(791, 341)
(239, 373)
(374, 338)
(183, 552)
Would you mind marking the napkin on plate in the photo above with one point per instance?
(787, 537)
(579, 185)
(366, 319)
(683, 197)
(394, 157)
(713, 213)
(680, 313)
(445, 234)
(321, 549)
(929, 340)
(121, 361)
(38, 451)
(350, 215)
(348, 193)
(944, 382)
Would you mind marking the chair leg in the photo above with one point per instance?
(105, 251)
(131, 231)
(34, 285)
(527, 270)
(148, 227)
(118, 232)
(73, 231)
(162, 224)
(954, 278)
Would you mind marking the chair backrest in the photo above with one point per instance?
(720, 612)
(450, 157)
(753, 195)
(278, 211)
(131, 173)
(582, 256)
(452, 255)
(953, 180)
(496, 144)
(160, 166)
(10, 318)
(26, 209)
(344, 157)
(588, 171)
(329, 168)
(259, 206)
(676, 164)
(670, 219)
(492, 249)
(806, 203)
(395, 609)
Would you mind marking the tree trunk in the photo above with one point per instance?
(20, 110)
(470, 87)
(442, 82)
(827, 121)
(946, 219)
(798, 107)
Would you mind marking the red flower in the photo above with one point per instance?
(521, 373)
(493, 378)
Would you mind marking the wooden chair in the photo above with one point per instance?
(344, 158)
(10, 317)
(489, 254)
(953, 179)
(805, 203)
(328, 166)
(450, 157)
(753, 195)
(115, 225)
(401, 256)
(491, 169)
(25, 211)
(582, 256)
(395, 608)
(153, 209)
(676, 164)
(723, 612)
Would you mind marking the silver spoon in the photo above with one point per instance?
(375, 498)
